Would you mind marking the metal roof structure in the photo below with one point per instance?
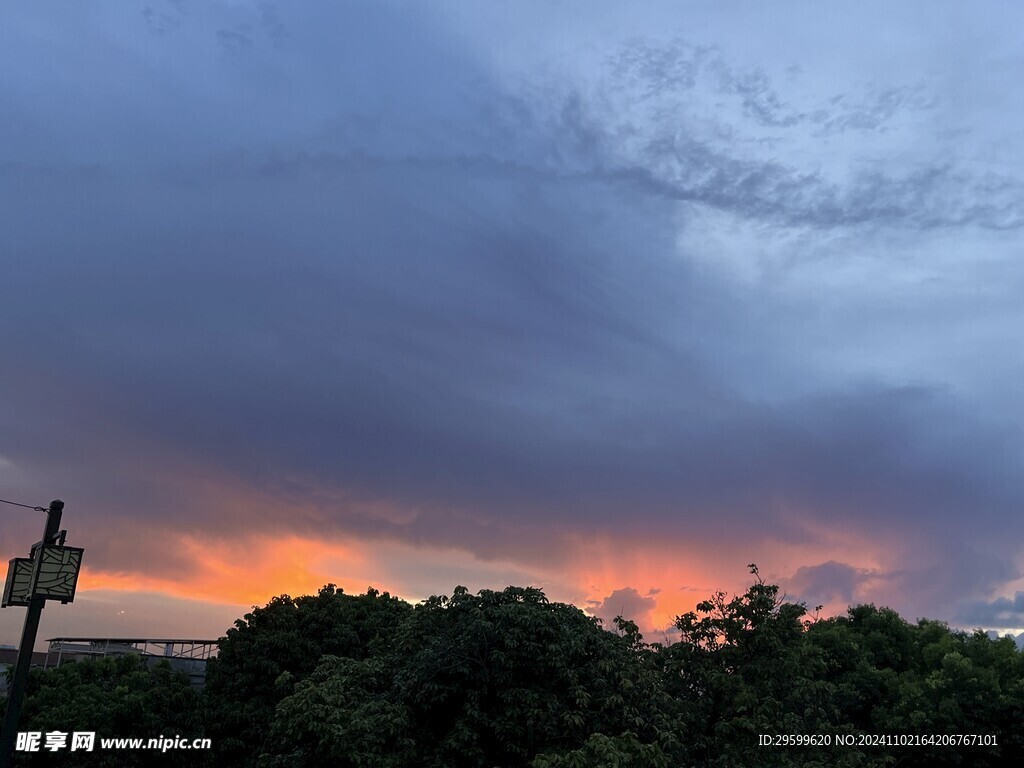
(170, 648)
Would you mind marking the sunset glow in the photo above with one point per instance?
(613, 304)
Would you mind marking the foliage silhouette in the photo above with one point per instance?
(508, 678)
(118, 696)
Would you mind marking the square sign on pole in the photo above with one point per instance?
(52, 573)
(56, 574)
(18, 587)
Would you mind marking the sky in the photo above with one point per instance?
(605, 300)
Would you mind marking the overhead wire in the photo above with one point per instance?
(26, 506)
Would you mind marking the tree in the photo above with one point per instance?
(510, 679)
(492, 679)
(742, 668)
(891, 676)
(600, 751)
(114, 697)
(342, 715)
(272, 649)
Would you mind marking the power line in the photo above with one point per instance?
(26, 506)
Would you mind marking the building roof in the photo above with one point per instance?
(132, 640)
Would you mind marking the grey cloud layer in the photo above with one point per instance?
(382, 273)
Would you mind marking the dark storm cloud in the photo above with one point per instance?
(487, 362)
(1001, 612)
(629, 604)
(961, 569)
(530, 365)
(356, 266)
(826, 583)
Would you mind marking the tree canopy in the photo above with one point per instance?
(118, 696)
(508, 678)
(273, 648)
(496, 678)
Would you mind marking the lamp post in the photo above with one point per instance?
(51, 573)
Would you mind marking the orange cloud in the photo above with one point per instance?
(673, 572)
(242, 571)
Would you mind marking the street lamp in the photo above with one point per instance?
(49, 573)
